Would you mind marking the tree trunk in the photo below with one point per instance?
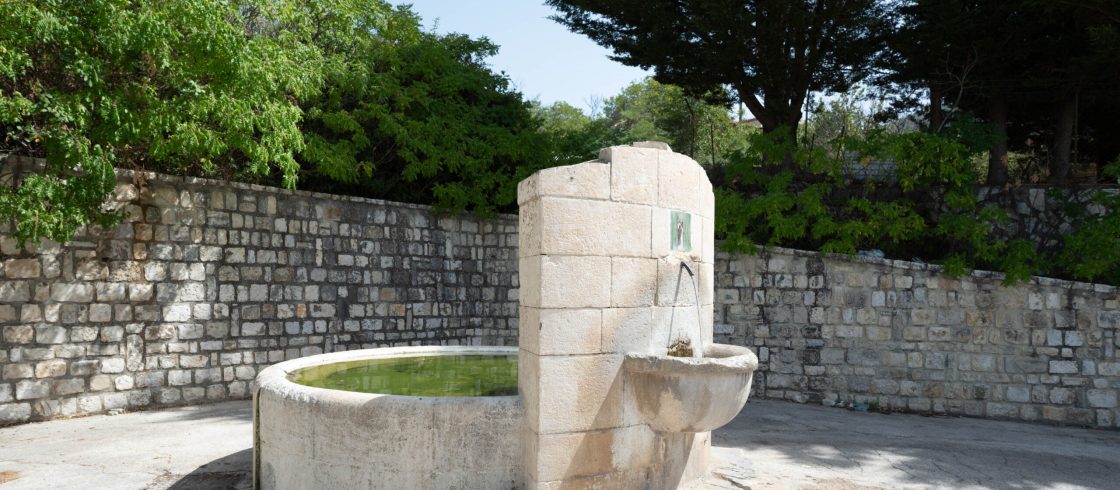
(997, 154)
(1063, 139)
(936, 112)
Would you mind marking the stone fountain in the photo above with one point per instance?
(616, 263)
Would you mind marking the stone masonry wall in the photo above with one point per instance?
(897, 335)
(207, 282)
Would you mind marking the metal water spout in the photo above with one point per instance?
(699, 351)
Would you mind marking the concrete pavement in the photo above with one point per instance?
(200, 447)
(771, 445)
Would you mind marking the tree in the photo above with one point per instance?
(771, 53)
(175, 86)
(645, 110)
(412, 115)
(1028, 67)
(694, 126)
(573, 136)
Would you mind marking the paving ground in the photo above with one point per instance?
(771, 445)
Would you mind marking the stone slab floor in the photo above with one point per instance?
(771, 445)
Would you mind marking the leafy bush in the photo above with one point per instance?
(1092, 251)
(778, 194)
(175, 86)
(346, 96)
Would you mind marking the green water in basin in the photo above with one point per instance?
(460, 375)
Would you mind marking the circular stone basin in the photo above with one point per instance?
(692, 394)
(440, 375)
(405, 417)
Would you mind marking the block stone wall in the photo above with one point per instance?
(206, 282)
(897, 335)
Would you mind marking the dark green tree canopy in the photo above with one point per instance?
(772, 53)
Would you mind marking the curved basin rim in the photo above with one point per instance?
(731, 359)
(279, 373)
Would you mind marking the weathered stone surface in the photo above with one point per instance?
(31, 390)
(255, 272)
(967, 345)
(22, 268)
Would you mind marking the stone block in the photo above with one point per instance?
(22, 268)
(19, 334)
(30, 313)
(573, 282)
(14, 412)
(177, 377)
(1062, 396)
(1063, 367)
(1019, 394)
(576, 393)
(922, 317)
(562, 331)
(50, 334)
(112, 334)
(1102, 398)
(72, 292)
(673, 323)
(50, 368)
(188, 331)
(69, 386)
(16, 371)
(583, 227)
(572, 456)
(627, 330)
(676, 286)
(633, 173)
(708, 243)
(1105, 319)
(14, 292)
(100, 382)
(588, 180)
(32, 390)
(89, 404)
(678, 182)
(112, 366)
(177, 313)
(633, 281)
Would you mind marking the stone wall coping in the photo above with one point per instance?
(150, 176)
(922, 266)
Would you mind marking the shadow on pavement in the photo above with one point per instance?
(233, 471)
(903, 450)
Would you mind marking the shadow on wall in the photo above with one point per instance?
(914, 450)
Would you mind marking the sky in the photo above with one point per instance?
(542, 58)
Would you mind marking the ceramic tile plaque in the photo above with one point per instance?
(680, 226)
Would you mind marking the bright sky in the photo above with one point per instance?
(542, 58)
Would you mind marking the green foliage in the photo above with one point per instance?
(411, 115)
(929, 209)
(574, 137)
(346, 96)
(1092, 251)
(772, 53)
(175, 86)
(645, 111)
(697, 127)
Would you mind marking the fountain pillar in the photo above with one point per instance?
(601, 248)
